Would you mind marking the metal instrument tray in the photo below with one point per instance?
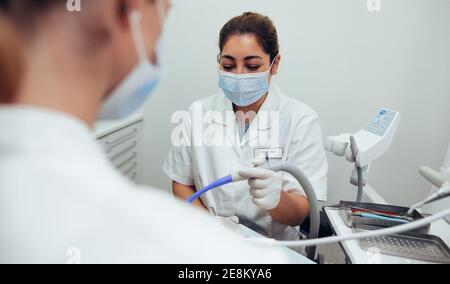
(351, 220)
(409, 245)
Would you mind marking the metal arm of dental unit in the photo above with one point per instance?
(363, 147)
(440, 180)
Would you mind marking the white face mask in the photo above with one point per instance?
(244, 89)
(132, 93)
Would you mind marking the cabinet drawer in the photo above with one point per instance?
(125, 159)
(116, 139)
(133, 176)
(129, 168)
(122, 150)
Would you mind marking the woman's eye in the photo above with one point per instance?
(253, 67)
(227, 67)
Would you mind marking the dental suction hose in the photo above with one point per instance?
(314, 211)
(299, 176)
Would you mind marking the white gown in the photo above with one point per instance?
(61, 201)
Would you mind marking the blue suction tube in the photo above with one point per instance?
(314, 212)
(216, 184)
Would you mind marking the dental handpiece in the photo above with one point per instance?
(233, 177)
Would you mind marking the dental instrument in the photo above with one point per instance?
(301, 178)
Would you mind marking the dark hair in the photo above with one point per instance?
(26, 11)
(252, 23)
(30, 5)
(26, 16)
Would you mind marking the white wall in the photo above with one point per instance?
(340, 59)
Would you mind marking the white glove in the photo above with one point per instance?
(266, 186)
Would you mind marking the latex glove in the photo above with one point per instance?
(266, 186)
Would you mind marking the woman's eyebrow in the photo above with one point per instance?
(252, 57)
(229, 57)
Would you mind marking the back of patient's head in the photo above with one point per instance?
(82, 56)
(16, 16)
(10, 64)
(31, 18)
(100, 30)
(25, 13)
(46, 29)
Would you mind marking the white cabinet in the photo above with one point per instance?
(122, 142)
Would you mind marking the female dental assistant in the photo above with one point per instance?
(281, 129)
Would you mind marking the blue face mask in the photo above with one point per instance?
(244, 89)
(132, 93)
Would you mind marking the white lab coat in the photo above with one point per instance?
(61, 201)
(300, 140)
